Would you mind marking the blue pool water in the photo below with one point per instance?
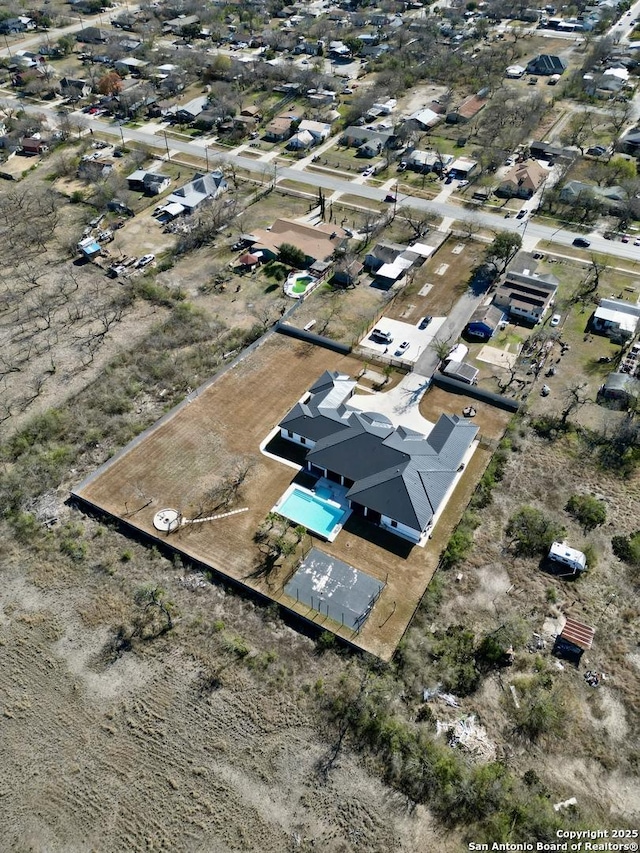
(314, 513)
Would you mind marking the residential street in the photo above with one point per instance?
(534, 230)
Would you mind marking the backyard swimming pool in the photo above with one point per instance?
(298, 284)
(313, 512)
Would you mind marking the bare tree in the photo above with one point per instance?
(574, 398)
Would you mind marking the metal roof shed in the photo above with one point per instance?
(574, 639)
(461, 370)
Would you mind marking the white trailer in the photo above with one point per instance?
(575, 560)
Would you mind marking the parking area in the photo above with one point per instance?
(415, 338)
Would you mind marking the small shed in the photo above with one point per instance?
(249, 260)
(484, 322)
(574, 639)
(619, 388)
(462, 371)
(560, 552)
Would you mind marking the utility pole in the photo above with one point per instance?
(167, 145)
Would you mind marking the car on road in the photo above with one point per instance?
(636, 242)
(582, 242)
(625, 238)
(404, 346)
(555, 320)
(145, 260)
(425, 322)
(390, 197)
(507, 215)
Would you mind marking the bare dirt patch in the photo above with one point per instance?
(155, 762)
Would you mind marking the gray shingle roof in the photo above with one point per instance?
(397, 472)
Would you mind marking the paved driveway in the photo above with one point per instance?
(400, 404)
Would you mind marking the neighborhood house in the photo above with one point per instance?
(316, 242)
(526, 296)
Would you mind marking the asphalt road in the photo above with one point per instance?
(534, 231)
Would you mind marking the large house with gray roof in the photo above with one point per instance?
(396, 477)
(200, 189)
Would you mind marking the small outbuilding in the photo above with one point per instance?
(620, 389)
(574, 639)
(485, 322)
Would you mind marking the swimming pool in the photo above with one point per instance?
(313, 512)
(298, 284)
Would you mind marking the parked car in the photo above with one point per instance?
(463, 183)
(381, 337)
(582, 242)
(404, 346)
(625, 238)
(145, 260)
(425, 322)
(390, 197)
(370, 170)
(555, 320)
(402, 166)
(521, 214)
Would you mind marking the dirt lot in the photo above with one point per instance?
(138, 755)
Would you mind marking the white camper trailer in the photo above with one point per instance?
(573, 559)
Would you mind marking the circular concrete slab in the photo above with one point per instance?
(167, 520)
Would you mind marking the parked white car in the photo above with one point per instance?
(145, 260)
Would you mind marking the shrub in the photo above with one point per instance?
(461, 541)
(541, 712)
(76, 549)
(326, 641)
(532, 531)
(454, 654)
(458, 547)
(588, 511)
(627, 548)
(591, 556)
